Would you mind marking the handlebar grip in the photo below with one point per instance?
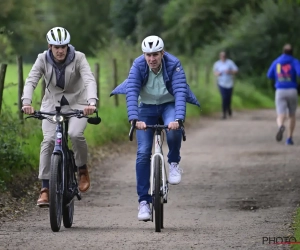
(132, 130)
(183, 134)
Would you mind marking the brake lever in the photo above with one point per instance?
(30, 116)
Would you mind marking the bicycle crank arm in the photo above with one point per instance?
(78, 194)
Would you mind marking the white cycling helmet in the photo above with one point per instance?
(58, 36)
(152, 44)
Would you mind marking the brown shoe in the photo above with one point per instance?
(43, 200)
(84, 180)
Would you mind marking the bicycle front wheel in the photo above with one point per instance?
(68, 202)
(55, 192)
(157, 194)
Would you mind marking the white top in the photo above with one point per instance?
(225, 80)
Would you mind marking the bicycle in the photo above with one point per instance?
(158, 175)
(63, 185)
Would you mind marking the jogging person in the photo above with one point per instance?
(156, 87)
(284, 72)
(71, 85)
(224, 69)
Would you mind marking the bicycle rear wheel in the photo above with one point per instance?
(55, 192)
(157, 194)
(68, 202)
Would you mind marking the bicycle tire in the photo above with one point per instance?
(162, 216)
(68, 207)
(157, 194)
(68, 213)
(55, 193)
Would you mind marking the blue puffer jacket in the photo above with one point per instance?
(174, 78)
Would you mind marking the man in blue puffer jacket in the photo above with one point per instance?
(156, 87)
(284, 71)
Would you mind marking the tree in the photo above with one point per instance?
(87, 21)
(191, 24)
(123, 18)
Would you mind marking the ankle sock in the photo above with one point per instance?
(45, 184)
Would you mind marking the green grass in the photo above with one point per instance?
(114, 125)
(296, 226)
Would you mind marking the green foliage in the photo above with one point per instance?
(5, 45)
(20, 17)
(191, 24)
(87, 21)
(13, 158)
(149, 19)
(123, 26)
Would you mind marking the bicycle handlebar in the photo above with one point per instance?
(76, 113)
(41, 114)
(157, 126)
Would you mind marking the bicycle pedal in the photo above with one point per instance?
(43, 206)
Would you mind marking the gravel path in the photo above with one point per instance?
(239, 185)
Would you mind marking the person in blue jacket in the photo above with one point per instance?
(156, 87)
(284, 72)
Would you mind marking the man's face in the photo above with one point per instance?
(222, 56)
(59, 51)
(154, 59)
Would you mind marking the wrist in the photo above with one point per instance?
(26, 102)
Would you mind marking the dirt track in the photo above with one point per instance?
(238, 186)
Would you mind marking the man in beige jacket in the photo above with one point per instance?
(71, 85)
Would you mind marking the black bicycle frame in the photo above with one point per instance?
(61, 142)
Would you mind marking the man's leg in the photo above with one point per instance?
(223, 96)
(47, 147)
(79, 145)
(292, 106)
(174, 138)
(281, 108)
(149, 115)
(292, 119)
(230, 91)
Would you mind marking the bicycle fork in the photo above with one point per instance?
(158, 153)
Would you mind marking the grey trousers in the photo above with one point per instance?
(79, 145)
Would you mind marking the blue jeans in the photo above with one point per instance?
(150, 114)
(226, 94)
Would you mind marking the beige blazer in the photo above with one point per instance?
(80, 84)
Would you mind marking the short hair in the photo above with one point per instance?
(287, 48)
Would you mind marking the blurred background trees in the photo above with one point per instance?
(253, 31)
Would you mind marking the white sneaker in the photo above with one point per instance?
(144, 211)
(174, 173)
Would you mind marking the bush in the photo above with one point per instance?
(12, 156)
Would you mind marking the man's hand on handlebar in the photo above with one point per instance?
(89, 110)
(28, 109)
(173, 125)
(142, 125)
(139, 125)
